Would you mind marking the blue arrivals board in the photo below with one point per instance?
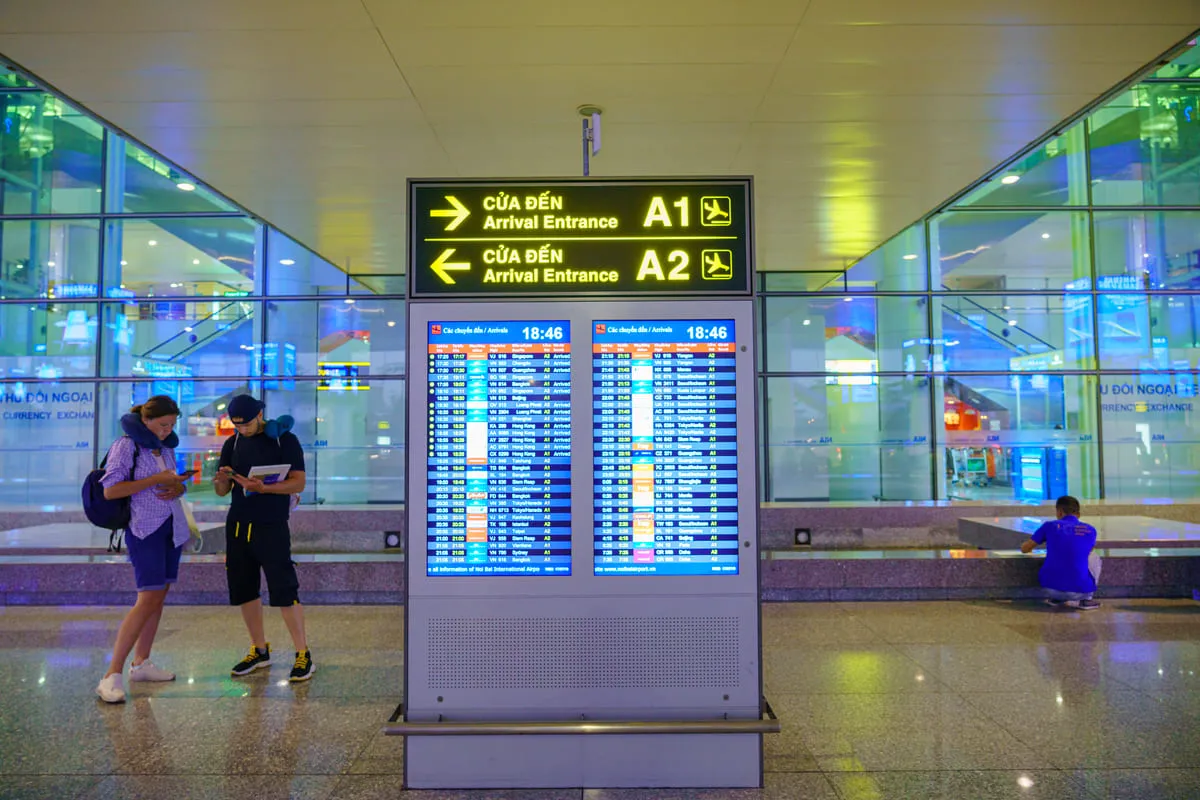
(664, 437)
(498, 485)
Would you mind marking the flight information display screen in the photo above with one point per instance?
(498, 486)
(664, 439)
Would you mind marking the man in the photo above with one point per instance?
(257, 539)
(1071, 569)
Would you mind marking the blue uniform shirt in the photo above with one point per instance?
(1068, 542)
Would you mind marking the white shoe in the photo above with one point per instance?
(111, 689)
(148, 671)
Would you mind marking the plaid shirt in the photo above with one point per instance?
(147, 510)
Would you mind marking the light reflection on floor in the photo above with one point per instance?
(964, 700)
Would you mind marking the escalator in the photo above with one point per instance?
(1007, 341)
(202, 333)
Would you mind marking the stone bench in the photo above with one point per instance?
(1007, 533)
(787, 576)
(82, 538)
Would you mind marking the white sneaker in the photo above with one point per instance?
(111, 689)
(148, 671)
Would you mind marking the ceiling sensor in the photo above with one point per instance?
(593, 113)
(591, 134)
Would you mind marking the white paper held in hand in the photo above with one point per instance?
(269, 474)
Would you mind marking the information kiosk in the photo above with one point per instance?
(582, 575)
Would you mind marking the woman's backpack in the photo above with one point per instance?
(111, 515)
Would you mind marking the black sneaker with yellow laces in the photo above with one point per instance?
(255, 659)
(304, 667)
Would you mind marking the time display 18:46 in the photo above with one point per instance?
(708, 333)
(542, 333)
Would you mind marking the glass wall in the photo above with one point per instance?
(122, 276)
(1036, 336)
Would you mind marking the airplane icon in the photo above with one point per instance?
(715, 211)
(716, 265)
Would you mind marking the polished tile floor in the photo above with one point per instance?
(961, 701)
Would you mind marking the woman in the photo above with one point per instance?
(140, 466)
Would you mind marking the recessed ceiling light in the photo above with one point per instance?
(349, 301)
(124, 264)
(188, 329)
(195, 261)
(808, 322)
(911, 257)
(391, 323)
(1008, 308)
(848, 299)
(153, 243)
(287, 262)
(1045, 236)
(1012, 322)
(50, 264)
(1009, 180)
(184, 186)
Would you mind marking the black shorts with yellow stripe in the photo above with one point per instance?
(254, 549)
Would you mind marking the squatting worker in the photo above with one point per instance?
(257, 539)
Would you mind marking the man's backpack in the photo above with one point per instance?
(111, 515)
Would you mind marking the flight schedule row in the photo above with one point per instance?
(498, 486)
(664, 448)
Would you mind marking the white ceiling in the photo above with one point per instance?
(854, 116)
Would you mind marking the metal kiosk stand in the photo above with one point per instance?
(582, 576)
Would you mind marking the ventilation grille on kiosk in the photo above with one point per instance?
(583, 653)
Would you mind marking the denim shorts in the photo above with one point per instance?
(155, 558)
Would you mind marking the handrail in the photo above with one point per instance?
(986, 331)
(989, 311)
(769, 724)
(216, 333)
(196, 324)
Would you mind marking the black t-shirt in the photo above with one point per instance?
(244, 452)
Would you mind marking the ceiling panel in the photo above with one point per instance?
(141, 16)
(590, 46)
(249, 51)
(380, 114)
(855, 116)
(1019, 78)
(1008, 12)
(624, 104)
(892, 107)
(616, 13)
(169, 85)
(568, 86)
(974, 45)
